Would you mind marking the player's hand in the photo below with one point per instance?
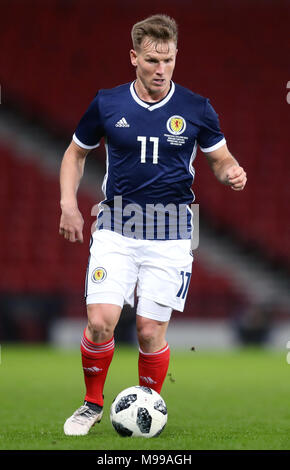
(71, 225)
(236, 177)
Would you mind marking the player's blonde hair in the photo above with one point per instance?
(158, 27)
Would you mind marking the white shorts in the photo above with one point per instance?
(160, 269)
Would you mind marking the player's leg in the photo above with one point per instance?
(151, 333)
(154, 352)
(110, 282)
(163, 281)
(97, 349)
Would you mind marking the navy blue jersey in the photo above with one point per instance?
(150, 146)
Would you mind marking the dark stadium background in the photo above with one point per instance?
(54, 56)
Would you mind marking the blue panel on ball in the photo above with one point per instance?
(144, 420)
(145, 389)
(159, 405)
(125, 402)
(122, 430)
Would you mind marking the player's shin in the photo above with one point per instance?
(96, 360)
(153, 368)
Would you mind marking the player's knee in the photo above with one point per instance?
(100, 325)
(145, 334)
(99, 332)
(149, 333)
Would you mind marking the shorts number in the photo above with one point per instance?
(143, 141)
(184, 284)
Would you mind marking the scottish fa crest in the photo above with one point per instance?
(176, 125)
(99, 275)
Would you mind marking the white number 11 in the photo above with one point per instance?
(143, 141)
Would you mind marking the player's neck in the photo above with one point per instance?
(145, 95)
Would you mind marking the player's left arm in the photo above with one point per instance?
(226, 168)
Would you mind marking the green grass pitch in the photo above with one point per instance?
(235, 400)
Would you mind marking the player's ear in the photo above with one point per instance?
(133, 57)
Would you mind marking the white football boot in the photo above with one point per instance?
(82, 420)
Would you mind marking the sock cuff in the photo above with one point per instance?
(156, 353)
(96, 348)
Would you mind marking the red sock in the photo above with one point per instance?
(153, 368)
(96, 359)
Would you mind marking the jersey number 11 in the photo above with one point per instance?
(143, 141)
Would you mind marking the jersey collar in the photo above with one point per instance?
(151, 107)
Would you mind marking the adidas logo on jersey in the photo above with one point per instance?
(122, 123)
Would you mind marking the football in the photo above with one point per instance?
(139, 412)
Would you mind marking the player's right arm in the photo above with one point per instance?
(87, 136)
(71, 172)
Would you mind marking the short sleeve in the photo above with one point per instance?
(90, 128)
(210, 136)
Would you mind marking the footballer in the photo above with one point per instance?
(152, 128)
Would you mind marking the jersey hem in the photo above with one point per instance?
(213, 147)
(84, 146)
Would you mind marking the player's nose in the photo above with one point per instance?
(160, 69)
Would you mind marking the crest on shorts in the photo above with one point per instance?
(176, 125)
(99, 275)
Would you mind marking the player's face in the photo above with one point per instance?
(154, 64)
